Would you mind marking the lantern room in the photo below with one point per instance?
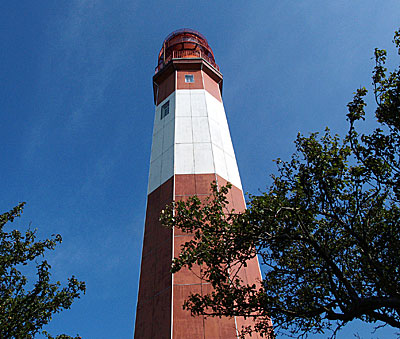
(185, 43)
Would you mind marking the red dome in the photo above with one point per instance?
(185, 43)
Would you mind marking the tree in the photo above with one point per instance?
(327, 231)
(24, 313)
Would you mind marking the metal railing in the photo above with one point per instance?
(186, 54)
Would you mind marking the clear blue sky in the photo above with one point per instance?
(76, 114)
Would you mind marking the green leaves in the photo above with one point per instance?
(23, 313)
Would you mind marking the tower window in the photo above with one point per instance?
(189, 78)
(165, 110)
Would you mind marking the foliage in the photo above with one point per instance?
(24, 313)
(327, 231)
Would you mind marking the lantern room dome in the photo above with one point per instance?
(185, 43)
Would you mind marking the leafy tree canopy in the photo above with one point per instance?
(327, 231)
(23, 313)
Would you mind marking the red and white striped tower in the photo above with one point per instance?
(191, 148)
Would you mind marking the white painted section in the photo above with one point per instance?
(184, 134)
(156, 147)
(158, 122)
(193, 138)
(198, 103)
(217, 116)
(203, 159)
(167, 164)
(227, 141)
(184, 157)
(162, 150)
(184, 108)
(168, 136)
(215, 132)
(233, 172)
(219, 161)
(201, 130)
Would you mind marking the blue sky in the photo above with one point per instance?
(76, 113)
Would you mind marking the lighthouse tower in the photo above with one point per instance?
(191, 148)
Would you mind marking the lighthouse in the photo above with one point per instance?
(191, 148)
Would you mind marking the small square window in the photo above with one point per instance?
(165, 110)
(189, 78)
